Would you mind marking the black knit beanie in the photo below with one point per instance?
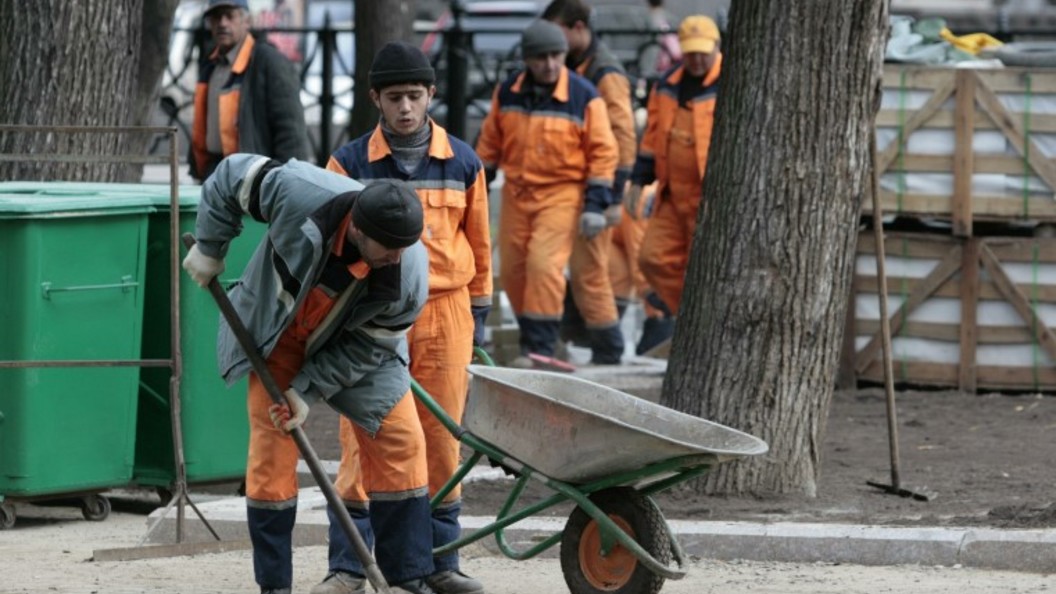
(389, 212)
(400, 62)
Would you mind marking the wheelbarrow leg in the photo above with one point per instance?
(370, 567)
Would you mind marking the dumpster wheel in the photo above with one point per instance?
(587, 571)
(7, 516)
(95, 508)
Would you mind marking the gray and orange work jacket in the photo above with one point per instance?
(363, 331)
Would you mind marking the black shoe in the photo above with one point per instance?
(418, 586)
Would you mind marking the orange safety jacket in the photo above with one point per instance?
(565, 138)
(228, 101)
(454, 193)
(652, 163)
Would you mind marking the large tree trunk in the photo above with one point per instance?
(377, 23)
(69, 63)
(758, 339)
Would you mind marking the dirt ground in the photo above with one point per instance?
(985, 459)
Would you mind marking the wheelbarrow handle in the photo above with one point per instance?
(370, 567)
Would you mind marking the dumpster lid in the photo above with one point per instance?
(21, 199)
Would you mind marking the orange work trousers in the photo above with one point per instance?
(537, 227)
(441, 346)
(590, 282)
(389, 461)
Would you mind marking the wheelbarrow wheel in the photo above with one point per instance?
(587, 571)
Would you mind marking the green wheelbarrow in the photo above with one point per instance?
(602, 449)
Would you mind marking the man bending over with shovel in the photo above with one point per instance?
(328, 298)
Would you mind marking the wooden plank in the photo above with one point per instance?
(916, 120)
(969, 315)
(943, 119)
(1021, 249)
(1000, 377)
(1042, 333)
(1013, 80)
(939, 275)
(984, 163)
(866, 284)
(998, 164)
(1012, 128)
(997, 208)
(963, 154)
(914, 372)
(909, 245)
(916, 77)
(988, 335)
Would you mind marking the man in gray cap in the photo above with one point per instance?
(247, 99)
(549, 131)
(328, 297)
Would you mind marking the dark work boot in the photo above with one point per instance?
(606, 345)
(454, 582)
(654, 332)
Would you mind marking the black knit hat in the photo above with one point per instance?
(400, 62)
(389, 212)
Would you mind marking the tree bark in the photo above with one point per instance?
(760, 326)
(377, 23)
(69, 63)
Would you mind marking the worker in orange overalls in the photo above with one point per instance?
(674, 152)
(447, 175)
(549, 130)
(591, 316)
(327, 298)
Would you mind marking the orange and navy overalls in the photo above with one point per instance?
(559, 157)
(332, 328)
(457, 235)
(674, 152)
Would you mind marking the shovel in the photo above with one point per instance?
(370, 567)
(895, 487)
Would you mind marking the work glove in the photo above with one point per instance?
(591, 223)
(290, 415)
(613, 214)
(202, 268)
(480, 316)
(631, 198)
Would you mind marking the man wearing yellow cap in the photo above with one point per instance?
(674, 153)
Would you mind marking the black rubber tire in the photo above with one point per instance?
(621, 572)
(95, 508)
(1027, 53)
(7, 516)
(164, 495)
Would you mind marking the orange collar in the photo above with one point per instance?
(560, 92)
(244, 51)
(360, 269)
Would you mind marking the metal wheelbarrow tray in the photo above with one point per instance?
(604, 450)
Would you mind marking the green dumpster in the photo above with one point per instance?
(215, 427)
(71, 288)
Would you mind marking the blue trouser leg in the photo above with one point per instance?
(538, 336)
(446, 530)
(271, 531)
(404, 538)
(342, 553)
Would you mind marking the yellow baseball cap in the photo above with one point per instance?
(698, 34)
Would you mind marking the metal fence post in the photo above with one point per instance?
(328, 39)
(457, 72)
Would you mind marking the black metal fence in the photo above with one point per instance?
(466, 74)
